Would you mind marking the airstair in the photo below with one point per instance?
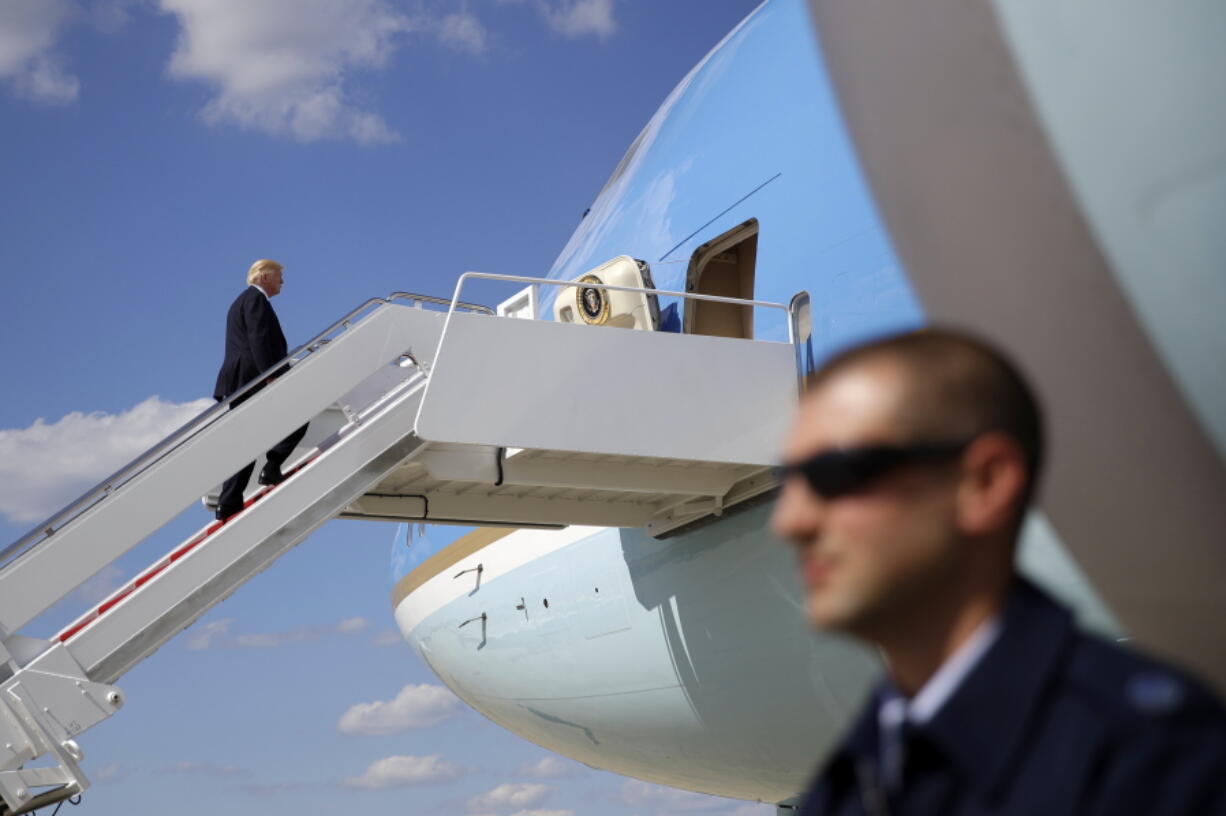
(454, 415)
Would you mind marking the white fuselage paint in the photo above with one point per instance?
(685, 662)
(518, 549)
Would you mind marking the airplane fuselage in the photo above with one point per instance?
(685, 661)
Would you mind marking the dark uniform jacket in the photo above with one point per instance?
(1051, 721)
(254, 342)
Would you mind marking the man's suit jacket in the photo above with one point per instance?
(1051, 721)
(254, 343)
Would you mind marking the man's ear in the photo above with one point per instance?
(992, 483)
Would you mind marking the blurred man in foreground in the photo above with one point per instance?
(908, 475)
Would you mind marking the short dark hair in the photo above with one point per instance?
(958, 385)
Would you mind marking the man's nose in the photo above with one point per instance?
(799, 513)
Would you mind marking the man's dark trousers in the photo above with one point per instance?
(231, 499)
(254, 344)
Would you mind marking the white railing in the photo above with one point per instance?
(181, 436)
(799, 322)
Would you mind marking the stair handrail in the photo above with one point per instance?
(799, 323)
(180, 436)
(455, 301)
(448, 302)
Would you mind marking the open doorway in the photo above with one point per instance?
(723, 266)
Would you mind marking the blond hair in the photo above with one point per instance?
(260, 269)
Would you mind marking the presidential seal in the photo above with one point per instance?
(593, 304)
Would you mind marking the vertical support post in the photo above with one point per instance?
(524, 303)
(800, 333)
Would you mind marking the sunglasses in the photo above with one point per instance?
(842, 471)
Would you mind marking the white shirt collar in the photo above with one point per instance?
(941, 686)
(895, 709)
(260, 289)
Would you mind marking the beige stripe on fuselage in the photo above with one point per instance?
(447, 557)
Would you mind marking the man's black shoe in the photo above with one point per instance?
(271, 475)
(224, 513)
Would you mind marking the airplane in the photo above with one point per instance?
(581, 476)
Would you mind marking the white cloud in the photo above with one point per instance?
(208, 635)
(28, 32)
(111, 15)
(578, 18)
(46, 79)
(550, 767)
(218, 635)
(282, 66)
(418, 706)
(102, 585)
(301, 634)
(511, 795)
(463, 32)
(668, 800)
(352, 626)
(209, 769)
(388, 637)
(400, 771)
(111, 773)
(543, 813)
(46, 465)
(264, 790)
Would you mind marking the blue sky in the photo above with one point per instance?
(149, 151)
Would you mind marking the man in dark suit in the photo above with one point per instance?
(254, 344)
(910, 470)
